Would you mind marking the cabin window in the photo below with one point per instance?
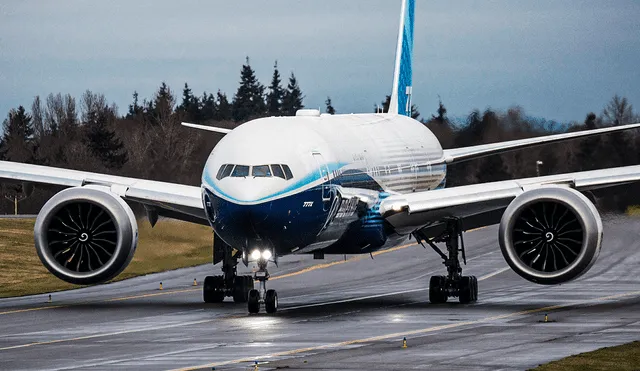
(287, 171)
(261, 171)
(240, 171)
(277, 171)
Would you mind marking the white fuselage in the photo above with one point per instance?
(331, 158)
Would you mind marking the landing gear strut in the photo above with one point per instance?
(257, 297)
(454, 283)
(216, 288)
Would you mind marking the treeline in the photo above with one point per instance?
(148, 141)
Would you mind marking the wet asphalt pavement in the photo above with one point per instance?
(336, 314)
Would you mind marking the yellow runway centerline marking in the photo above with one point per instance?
(400, 335)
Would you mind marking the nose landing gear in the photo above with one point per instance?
(257, 297)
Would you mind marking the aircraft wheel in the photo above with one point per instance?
(437, 289)
(240, 291)
(271, 301)
(466, 290)
(253, 302)
(212, 290)
(475, 288)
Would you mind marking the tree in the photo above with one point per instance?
(135, 110)
(208, 106)
(618, 111)
(224, 111)
(276, 93)
(17, 140)
(441, 118)
(190, 105)
(293, 97)
(37, 114)
(330, 109)
(249, 99)
(103, 142)
(589, 148)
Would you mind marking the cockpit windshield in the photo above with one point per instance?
(240, 171)
(261, 171)
(257, 171)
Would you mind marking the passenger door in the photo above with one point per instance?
(324, 175)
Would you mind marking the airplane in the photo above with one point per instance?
(330, 184)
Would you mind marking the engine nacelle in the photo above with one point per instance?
(550, 235)
(86, 235)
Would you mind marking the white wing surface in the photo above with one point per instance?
(173, 200)
(468, 153)
(482, 204)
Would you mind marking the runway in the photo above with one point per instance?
(336, 314)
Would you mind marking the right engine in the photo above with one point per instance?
(86, 235)
(550, 235)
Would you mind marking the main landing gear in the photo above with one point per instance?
(454, 283)
(257, 297)
(216, 288)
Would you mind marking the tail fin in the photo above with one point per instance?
(401, 94)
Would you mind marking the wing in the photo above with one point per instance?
(215, 129)
(468, 153)
(482, 204)
(167, 199)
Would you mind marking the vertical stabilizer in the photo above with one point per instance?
(401, 94)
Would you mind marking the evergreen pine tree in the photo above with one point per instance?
(292, 100)
(249, 99)
(330, 109)
(135, 110)
(208, 106)
(224, 111)
(103, 143)
(17, 140)
(275, 95)
(190, 105)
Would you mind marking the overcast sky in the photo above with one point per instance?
(556, 59)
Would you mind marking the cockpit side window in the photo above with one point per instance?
(240, 171)
(277, 171)
(287, 172)
(261, 171)
(225, 171)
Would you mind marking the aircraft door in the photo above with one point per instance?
(324, 175)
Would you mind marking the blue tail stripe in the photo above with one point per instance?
(406, 74)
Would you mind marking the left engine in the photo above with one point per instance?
(86, 235)
(550, 235)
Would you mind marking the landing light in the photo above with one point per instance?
(266, 254)
(255, 254)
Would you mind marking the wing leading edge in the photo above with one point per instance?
(469, 153)
(168, 199)
(482, 204)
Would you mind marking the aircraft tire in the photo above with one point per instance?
(271, 301)
(437, 292)
(253, 303)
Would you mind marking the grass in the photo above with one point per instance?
(169, 245)
(633, 210)
(623, 357)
